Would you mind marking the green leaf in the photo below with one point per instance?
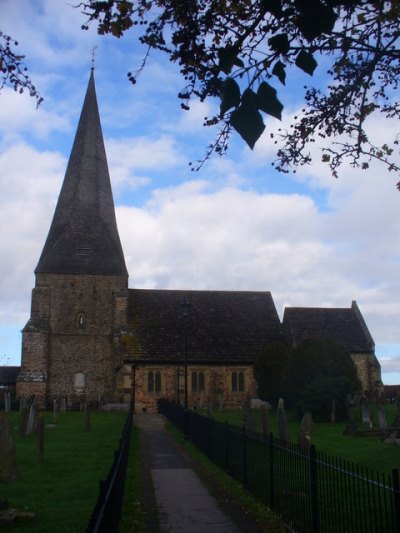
(248, 122)
(230, 95)
(306, 62)
(228, 57)
(279, 71)
(280, 43)
(268, 102)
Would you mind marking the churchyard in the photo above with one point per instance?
(60, 485)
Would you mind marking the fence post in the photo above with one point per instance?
(271, 471)
(396, 496)
(314, 490)
(244, 438)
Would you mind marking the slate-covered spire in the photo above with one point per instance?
(83, 237)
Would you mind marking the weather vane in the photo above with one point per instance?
(93, 55)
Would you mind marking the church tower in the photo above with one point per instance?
(68, 348)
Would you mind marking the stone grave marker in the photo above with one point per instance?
(7, 401)
(23, 421)
(282, 422)
(63, 405)
(201, 402)
(305, 433)
(333, 411)
(8, 454)
(221, 403)
(32, 420)
(210, 412)
(55, 411)
(87, 418)
(352, 428)
(365, 411)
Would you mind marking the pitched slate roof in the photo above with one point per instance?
(83, 237)
(8, 375)
(343, 325)
(222, 326)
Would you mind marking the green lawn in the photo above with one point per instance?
(370, 452)
(63, 489)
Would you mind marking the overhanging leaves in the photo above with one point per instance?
(230, 95)
(279, 72)
(227, 58)
(267, 100)
(306, 62)
(247, 120)
(280, 43)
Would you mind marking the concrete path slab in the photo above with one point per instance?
(184, 503)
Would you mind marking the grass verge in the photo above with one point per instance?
(62, 490)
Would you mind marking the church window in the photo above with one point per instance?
(79, 382)
(201, 381)
(154, 381)
(237, 382)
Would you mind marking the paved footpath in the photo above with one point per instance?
(184, 503)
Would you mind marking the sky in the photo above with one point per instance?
(237, 224)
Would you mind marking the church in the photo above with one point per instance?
(91, 338)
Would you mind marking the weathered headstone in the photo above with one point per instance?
(40, 438)
(305, 433)
(351, 428)
(7, 401)
(23, 421)
(32, 420)
(63, 406)
(8, 454)
(381, 416)
(282, 422)
(365, 411)
(251, 418)
(201, 402)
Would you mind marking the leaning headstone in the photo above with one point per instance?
(282, 422)
(264, 411)
(7, 401)
(381, 416)
(305, 433)
(8, 454)
(32, 420)
(351, 428)
(40, 438)
(221, 403)
(365, 411)
(201, 402)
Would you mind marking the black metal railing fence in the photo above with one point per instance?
(106, 514)
(312, 492)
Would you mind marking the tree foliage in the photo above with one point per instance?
(13, 72)
(239, 50)
(270, 371)
(321, 371)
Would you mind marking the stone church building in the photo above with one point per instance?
(91, 337)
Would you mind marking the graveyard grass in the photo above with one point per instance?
(63, 489)
(329, 438)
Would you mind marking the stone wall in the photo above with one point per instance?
(217, 384)
(369, 372)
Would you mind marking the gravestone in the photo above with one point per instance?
(23, 421)
(210, 412)
(87, 418)
(365, 411)
(63, 406)
(32, 420)
(7, 401)
(305, 433)
(8, 454)
(333, 411)
(282, 422)
(382, 422)
(201, 402)
(251, 418)
(351, 428)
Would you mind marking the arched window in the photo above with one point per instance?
(201, 382)
(234, 382)
(194, 381)
(241, 382)
(150, 382)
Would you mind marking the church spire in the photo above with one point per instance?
(83, 237)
